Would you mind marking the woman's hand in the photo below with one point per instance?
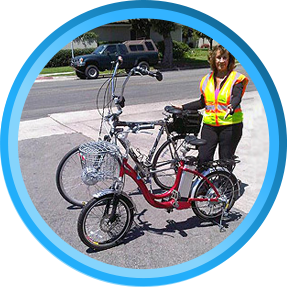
(229, 111)
(177, 106)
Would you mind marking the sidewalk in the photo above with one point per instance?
(55, 76)
(253, 149)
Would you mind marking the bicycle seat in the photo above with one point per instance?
(172, 110)
(191, 139)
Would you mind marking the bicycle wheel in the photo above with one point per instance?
(166, 162)
(72, 180)
(208, 210)
(98, 228)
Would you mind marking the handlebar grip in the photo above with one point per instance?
(142, 127)
(157, 74)
(146, 126)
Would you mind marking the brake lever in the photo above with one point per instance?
(166, 114)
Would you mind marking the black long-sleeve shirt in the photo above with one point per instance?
(236, 95)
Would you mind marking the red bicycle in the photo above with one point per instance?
(106, 219)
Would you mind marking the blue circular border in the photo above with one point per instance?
(111, 13)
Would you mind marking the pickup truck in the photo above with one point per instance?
(141, 53)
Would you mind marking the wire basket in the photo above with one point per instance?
(100, 162)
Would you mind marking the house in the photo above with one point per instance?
(122, 31)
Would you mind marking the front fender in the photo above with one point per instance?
(113, 191)
(104, 192)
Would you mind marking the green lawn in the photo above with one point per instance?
(57, 70)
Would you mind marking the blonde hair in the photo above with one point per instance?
(212, 56)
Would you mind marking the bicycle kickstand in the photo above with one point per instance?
(224, 212)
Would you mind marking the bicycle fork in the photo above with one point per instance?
(113, 216)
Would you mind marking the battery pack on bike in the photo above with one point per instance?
(185, 183)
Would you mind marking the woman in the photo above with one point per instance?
(221, 93)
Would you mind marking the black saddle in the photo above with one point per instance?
(193, 140)
(172, 110)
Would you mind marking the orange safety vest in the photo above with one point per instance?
(216, 107)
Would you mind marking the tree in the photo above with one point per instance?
(203, 36)
(165, 28)
(187, 33)
(142, 27)
(87, 38)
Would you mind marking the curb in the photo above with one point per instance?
(53, 76)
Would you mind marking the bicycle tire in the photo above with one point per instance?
(165, 159)
(208, 210)
(94, 228)
(59, 183)
(69, 180)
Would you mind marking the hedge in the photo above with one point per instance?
(63, 57)
(179, 49)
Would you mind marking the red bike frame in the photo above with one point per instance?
(126, 169)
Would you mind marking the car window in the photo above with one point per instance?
(123, 49)
(133, 47)
(149, 46)
(111, 49)
(138, 47)
(100, 49)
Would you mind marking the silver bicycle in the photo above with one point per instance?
(76, 184)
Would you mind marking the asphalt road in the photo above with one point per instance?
(76, 95)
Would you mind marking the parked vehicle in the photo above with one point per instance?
(141, 53)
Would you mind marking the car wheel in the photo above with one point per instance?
(81, 75)
(144, 65)
(92, 72)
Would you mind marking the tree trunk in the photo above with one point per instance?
(210, 44)
(167, 57)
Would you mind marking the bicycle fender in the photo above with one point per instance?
(204, 173)
(104, 192)
(112, 191)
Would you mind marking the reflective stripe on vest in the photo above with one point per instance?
(215, 108)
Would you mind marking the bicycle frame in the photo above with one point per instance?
(161, 131)
(126, 169)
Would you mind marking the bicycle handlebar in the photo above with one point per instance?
(143, 71)
(119, 100)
